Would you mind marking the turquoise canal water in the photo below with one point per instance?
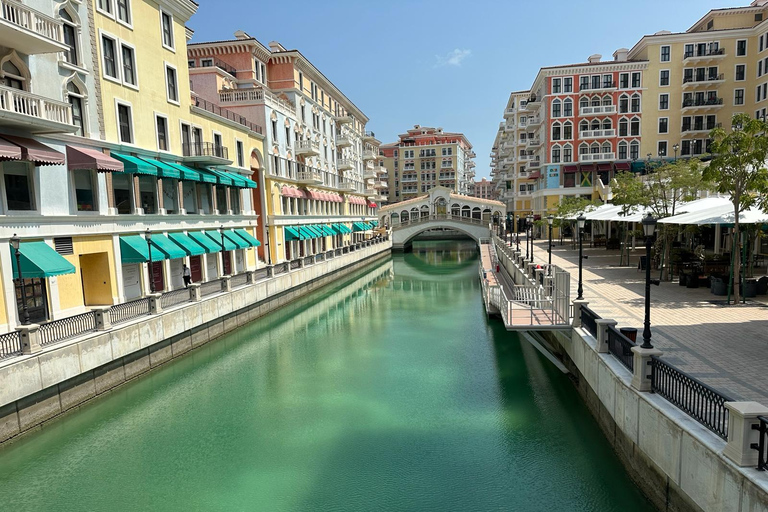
(389, 392)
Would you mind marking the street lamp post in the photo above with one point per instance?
(221, 232)
(517, 232)
(676, 147)
(581, 220)
(15, 242)
(649, 226)
(550, 220)
(530, 229)
(148, 236)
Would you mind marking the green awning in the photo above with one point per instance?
(187, 173)
(216, 237)
(291, 233)
(207, 176)
(327, 231)
(317, 231)
(163, 169)
(135, 165)
(191, 247)
(170, 249)
(209, 245)
(39, 260)
(359, 226)
(336, 229)
(237, 180)
(222, 178)
(235, 239)
(374, 223)
(306, 233)
(133, 249)
(252, 240)
(344, 228)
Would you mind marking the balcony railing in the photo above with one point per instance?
(307, 147)
(597, 134)
(370, 155)
(706, 53)
(36, 32)
(706, 102)
(204, 149)
(34, 106)
(343, 141)
(694, 128)
(345, 164)
(255, 96)
(227, 114)
(597, 157)
(600, 109)
(710, 78)
(218, 63)
(310, 176)
(603, 85)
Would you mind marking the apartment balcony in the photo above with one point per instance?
(345, 164)
(383, 197)
(343, 142)
(34, 113)
(508, 127)
(409, 179)
(533, 143)
(597, 157)
(370, 193)
(534, 102)
(369, 137)
(534, 121)
(698, 130)
(380, 184)
(307, 148)
(702, 104)
(369, 174)
(709, 81)
(526, 158)
(370, 155)
(343, 119)
(604, 86)
(471, 154)
(534, 164)
(205, 153)
(598, 110)
(255, 96)
(381, 170)
(510, 112)
(702, 56)
(309, 178)
(347, 186)
(597, 134)
(29, 31)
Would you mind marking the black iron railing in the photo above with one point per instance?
(120, 313)
(66, 328)
(210, 287)
(10, 344)
(262, 273)
(205, 149)
(173, 298)
(702, 102)
(309, 260)
(762, 445)
(621, 347)
(295, 264)
(238, 280)
(588, 318)
(338, 252)
(280, 268)
(703, 403)
(319, 257)
(329, 255)
(227, 114)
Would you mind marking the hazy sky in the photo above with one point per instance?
(448, 63)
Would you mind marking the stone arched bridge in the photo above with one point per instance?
(404, 232)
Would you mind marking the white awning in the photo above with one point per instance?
(718, 215)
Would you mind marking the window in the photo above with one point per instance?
(108, 53)
(738, 97)
(634, 128)
(556, 108)
(556, 85)
(567, 84)
(124, 11)
(84, 195)
(301, 81)
(166, 22)
(623, 105)
(664, 77)
(12, 76)
(583, 83)
(741, 72)
(129, 65)
(568, 131)
(75, 98)
(622, 151)
(161, 124)
(663, 125)
(635, 79)
(568, 108)
(741, 47)
(556, 132)
(105, 6)
(124, 123)
(663, 101)
(567, 153)
(634, 150)
(635, 103)
(170, 82)
(18, 186)
(288, 136)
(69, 28)
(240, 153)
(665, 54)
(556, 154)
(624, 80)
(274, 130)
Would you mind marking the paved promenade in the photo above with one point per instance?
(726, 347)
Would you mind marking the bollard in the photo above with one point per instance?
(155, 307)
(30, 338)
(194, 292)
(103, 320)
(641, 380)
(602, 333)
(741, 434)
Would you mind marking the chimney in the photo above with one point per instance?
(242, 35)
(276, 47)
(594, 58)
(620, 55)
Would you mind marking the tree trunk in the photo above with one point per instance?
(666, 263)
(737, 259)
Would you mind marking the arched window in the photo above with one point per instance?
(607, 124)
(555, 154)
(75, 98)
(455, 210)
(623, 128)
(622, 151)
(568, 130)
(556, 106)
(556, 131)
(465, 211)
(583, 126)
(568, 107)
(70, 29)
(567, 153)
(583, 103)
(13, 77)
(634, 127)
(583, 149)
(635, 102)
(607, 101)
(623, 104)
(404, 216)
(594, 148)
(634, 150)
(596, 101)
(607, 147)
(595, 124)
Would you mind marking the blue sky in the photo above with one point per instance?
(448, 63)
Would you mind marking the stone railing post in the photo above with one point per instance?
(226, 283)
(602, 333)
(194, 292)
(103, 320)
(270, 271)
(537, 275)
(641, 379)
(250, 277)
(30, 338)
(577, 305)
(741, 417)
(155, 306)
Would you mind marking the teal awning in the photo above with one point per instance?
(336, 229)
(216, 237)
(235, 239)
(306, 233)
(252, 240)
(315, 231)
(359, 226)
(189, 246)
(207, 176)
(327, 231)
(344, 228)
(222, 178)
(237, 180)
(374, 223)
(135, 165)
(163, 169)
(187, 173)
(170, 249)
(291, 233)
(209, 245)
(133, 249)
(39, 260)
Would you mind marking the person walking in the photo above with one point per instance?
(187, 275)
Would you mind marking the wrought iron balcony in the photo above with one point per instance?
(29, 31)
(34, 113)
(702, 103)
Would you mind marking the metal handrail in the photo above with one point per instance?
(66, 328)
(621, 347)
(10, 344)
(588, 318)
(120, 313)
(211, 287)
(762, 445)
(174, 298)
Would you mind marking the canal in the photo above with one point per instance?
(389, 391)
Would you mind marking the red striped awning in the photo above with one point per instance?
(622, 166)
(287, 191)
(603, 167)
(91, 159)
(9, 150)
(587, 167)
(570, 168)
(535, 175)
(371, 204)
(37, 152)
(301, 194)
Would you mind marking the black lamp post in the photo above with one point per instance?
(517, 233)
(581, 220)
(221, 232)
(148, 236)
(530, 224)
(550, 220)
(676, 147)
(649, 226)
(15, 242)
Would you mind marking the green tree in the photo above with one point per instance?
(569, 208)
(738, 169)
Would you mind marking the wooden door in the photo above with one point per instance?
(196, 268)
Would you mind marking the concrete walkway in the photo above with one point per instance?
(724, 346)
